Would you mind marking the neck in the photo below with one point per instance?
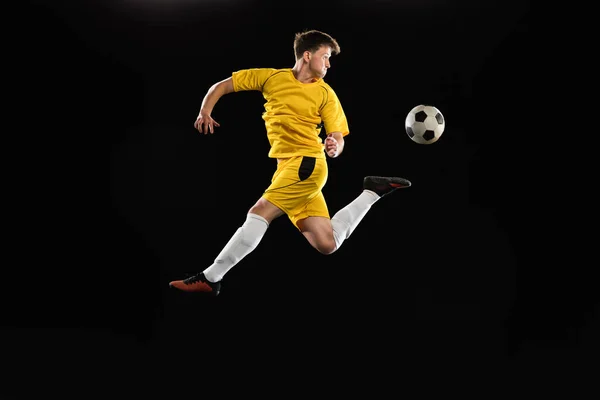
(302, 73)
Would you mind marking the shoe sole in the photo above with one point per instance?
(403, 184)
(393, 182)
(209, 293)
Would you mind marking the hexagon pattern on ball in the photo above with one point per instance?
(424, 124)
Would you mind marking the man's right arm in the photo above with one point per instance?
(204, 123)
(215, 92)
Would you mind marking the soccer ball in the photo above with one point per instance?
(424, 124)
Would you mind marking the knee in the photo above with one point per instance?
(256, 208)
(326, 247)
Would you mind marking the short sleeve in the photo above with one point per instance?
(250, 79)
(333, 116)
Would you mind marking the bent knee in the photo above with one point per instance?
(326, 247)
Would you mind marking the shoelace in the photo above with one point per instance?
(192, 279)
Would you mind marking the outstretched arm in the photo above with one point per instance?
(204, 123)
(334, 144)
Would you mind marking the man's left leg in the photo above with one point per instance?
(327, 236)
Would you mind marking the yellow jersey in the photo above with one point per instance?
(295, 112)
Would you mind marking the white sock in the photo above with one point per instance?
(243, 241)
(346, 220)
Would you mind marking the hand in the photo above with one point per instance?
(331, 146)
(205, 124)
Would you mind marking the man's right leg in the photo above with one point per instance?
(242, 243)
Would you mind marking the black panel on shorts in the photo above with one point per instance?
(307, 166)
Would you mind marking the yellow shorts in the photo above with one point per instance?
(296, 187)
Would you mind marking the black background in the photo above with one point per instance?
(474, 279)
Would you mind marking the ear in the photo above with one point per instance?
(307, 56)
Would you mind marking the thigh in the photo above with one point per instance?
(266, 209)
(296, 187)
(315, 207)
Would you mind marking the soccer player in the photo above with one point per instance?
(299, 103)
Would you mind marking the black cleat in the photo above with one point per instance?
(383, 185)
(197, 283)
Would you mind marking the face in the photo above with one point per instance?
(319, 61)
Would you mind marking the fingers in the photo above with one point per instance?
(200, 125)
(331, 147)
(205, 125)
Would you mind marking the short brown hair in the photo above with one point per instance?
(312, 41)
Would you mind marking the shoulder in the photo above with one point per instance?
(258, 71)
(277, 76)
(326, 86)
(261, 74)
(328, 89)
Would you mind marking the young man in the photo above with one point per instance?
(298, 105)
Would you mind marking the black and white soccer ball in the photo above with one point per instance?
(424, 124)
